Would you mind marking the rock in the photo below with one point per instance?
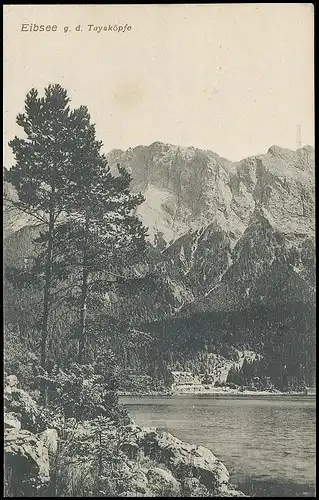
(192, 487)
(162, 482)
(232, 493)
(11, 422)
(182, 459)
(139, 482)
(11, 381)
(19, 402)
(49, 438)
(27, 462)
(132, 478)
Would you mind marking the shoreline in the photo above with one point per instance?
(216, 394)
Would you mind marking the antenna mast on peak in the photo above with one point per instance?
(299, 143)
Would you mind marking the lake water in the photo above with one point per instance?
(268, 445)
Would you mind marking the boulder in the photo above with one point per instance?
(162, 482)
(11, 421)
(27, 462)
(182, 459)
(139, 482)
(232, 492)
(11, 381)
(192, 487)
(132, 478)
(49, 438)
(20, 403)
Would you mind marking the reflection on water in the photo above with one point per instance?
(268, 445)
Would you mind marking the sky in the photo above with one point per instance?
(234, 79)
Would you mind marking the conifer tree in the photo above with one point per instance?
(101, 239)
(90, 237)
(48, 161)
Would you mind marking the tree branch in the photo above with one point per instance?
(62, 290)
(18, 205)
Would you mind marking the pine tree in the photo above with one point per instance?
(47, 168)
(102, 238)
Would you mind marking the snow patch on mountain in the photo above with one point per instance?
(155, 214)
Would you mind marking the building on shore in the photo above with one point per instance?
(310, 391)
(188, 383)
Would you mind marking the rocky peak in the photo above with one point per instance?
(188, 188)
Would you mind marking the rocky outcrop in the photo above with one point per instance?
(26, 463)
(189, 464)
(150, 482)
(163, 482)
(27, 450)
(100, 456)
(11, 422)
(20, 406)
(194, 488)
(50, 438)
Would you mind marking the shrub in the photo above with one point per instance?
(19, 358)
(81, 392)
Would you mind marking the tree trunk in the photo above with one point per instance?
(84, 293)
(46, 295)
(46, 301)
